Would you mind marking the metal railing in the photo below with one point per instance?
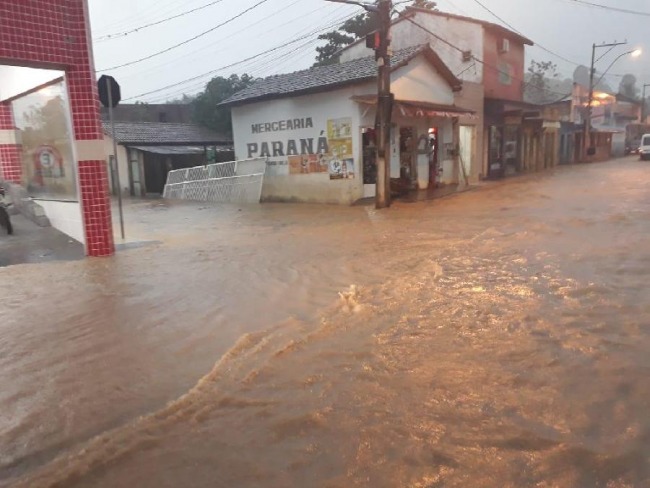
(231, 182)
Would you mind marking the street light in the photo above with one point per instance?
(635, 53)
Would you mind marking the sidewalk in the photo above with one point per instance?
(33, 244)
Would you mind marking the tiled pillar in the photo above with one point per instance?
(10, 167)
(89, 148)
(92, 173)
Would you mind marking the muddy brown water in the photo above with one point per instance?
(500, 338)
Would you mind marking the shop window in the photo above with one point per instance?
(43, 120)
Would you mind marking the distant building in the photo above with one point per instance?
(148, 151)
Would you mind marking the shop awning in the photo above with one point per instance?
(175, 150)
(411, 108)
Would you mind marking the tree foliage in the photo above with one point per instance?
(628, 86)
(205, 109)
(538, 83)
(352, 29)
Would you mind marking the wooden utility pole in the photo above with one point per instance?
(380, 42)
(384, 106)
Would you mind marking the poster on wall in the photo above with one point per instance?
(298, 147)
(341, 159)
(308, 164)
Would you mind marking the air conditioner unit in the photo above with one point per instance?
(505, 46)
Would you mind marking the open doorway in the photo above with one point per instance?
(434, 158)
(369, 155)
(407, 156)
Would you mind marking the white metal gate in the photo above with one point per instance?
(232, 182)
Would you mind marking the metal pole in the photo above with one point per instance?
(592, 73)
(643, 102)
(384, 107)
(117, 165)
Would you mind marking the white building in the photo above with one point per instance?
(316, 127)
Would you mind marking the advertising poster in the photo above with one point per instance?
(308, 164)
(339, 135)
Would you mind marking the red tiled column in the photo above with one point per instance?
(10, 167)
(56, 34)
(89, 148)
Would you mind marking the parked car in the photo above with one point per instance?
(644, 149)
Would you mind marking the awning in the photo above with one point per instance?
(411, 108)
(176, 150)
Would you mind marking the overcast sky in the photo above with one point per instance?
(562, 26)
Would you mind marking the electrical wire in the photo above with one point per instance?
(187, 56)
(187, 41)
(151, 24)
(256, 56)
(612, 9)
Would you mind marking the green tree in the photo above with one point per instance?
(628, 86)
(205, 109)
(353, 29)
(539, 80)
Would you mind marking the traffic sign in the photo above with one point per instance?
(109, 91)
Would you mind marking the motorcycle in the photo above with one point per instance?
(5, 219)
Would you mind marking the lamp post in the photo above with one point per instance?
(382, 8)
(592, 73)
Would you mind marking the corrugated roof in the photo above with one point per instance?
(160, 134)
(322, 78)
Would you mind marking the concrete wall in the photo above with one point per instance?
(504, 71)
(419, 81)
(471, 97)
(279, 184)
(466, 35)
(65, 217)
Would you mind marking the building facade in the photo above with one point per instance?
(490, 61)
(317, 128)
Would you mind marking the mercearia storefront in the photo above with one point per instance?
(316, 128)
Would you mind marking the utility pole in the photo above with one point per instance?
(643, 103)
(592, 87)
(384, 107)
(380, 42)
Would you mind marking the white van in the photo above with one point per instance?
(644, 148)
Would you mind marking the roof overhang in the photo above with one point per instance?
(174, 150)
(417, 109)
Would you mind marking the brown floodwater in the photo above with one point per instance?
(498, 338)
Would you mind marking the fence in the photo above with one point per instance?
(232, 182)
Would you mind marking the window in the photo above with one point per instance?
(646, 141)
(505, 73)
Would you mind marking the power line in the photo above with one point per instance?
(188, 40)
(277, 48)
(142, 27)
(613, 9)
(160, 9)
(188, 56)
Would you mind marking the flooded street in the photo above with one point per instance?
(497, 338)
